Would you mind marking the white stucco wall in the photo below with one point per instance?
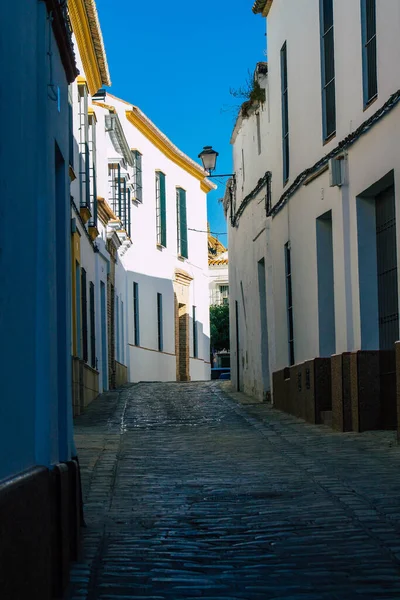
(218, 275)
(369, 160)
(153, 267)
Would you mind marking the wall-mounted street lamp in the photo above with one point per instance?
(209, 157)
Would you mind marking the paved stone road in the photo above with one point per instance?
(192, 494)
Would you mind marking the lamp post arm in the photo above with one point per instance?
(224, 175)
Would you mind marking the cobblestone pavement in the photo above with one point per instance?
(190, 493)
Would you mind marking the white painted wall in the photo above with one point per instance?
(218, 275)
(371, 158)
(154, 267)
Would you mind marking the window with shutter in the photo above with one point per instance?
(136, 313)
(161, 212)
(84, 316)
(328, 69)
(195, 342)
(78, 308)
(92, 171)
(117, 328)
(122, 334)
(137, 176)
(289, 303)
(160, 322)
(285, 113)
(92, 326)
(182, 222)
(370, 75)
(84, 157)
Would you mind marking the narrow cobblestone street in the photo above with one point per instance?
(192, 493)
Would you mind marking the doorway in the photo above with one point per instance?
(103, 335)
(386, 255)
(183, 348)
(262, 291)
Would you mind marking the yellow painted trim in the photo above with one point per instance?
(106, 106)
(84, 38)
(93, 232)
(85, 214)
(81, 80)
(91, 113)
(167, 149)
(267, 8)
(205, 187)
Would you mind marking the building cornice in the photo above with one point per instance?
(86, 27)
(160, 141)
(117, 136)
(183, 277)
(106, 106)
(105, 213)
(262, 6)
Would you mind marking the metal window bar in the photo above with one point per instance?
(195, 341)
(137, 176)
(124, 218)
(328, 69)
(285, 113)
(70, 129)
(83, 146)
(122, 334)
(119, 190)
(386, 249)
(84, 316)
(117, 337)
(92, 326)
(160, 322)
(258, 118)
(370, 75)
(178, 221)
(158, 208)
(182, 222)
(129, 213)
(136, 313)
(92, 172)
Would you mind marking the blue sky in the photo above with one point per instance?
(177, 61)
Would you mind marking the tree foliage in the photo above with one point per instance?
(219, 327)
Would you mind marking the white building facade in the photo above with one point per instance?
(218, 272)
(325, 238)
(158, 196)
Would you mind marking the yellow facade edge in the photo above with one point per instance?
(106, 106)
(135, 119)
(205, 187)
(84, 39)
(267, 8)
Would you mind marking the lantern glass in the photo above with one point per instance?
(208, 158)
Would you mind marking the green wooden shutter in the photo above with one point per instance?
(139, 188)
(163, 211)
(183, 224)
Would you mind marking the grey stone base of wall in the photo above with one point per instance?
(121, 374)
(364, 391)
(304, 390)
(85, 385)
(357, 390)
(40, 520)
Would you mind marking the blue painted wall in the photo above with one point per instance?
(35, 290)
